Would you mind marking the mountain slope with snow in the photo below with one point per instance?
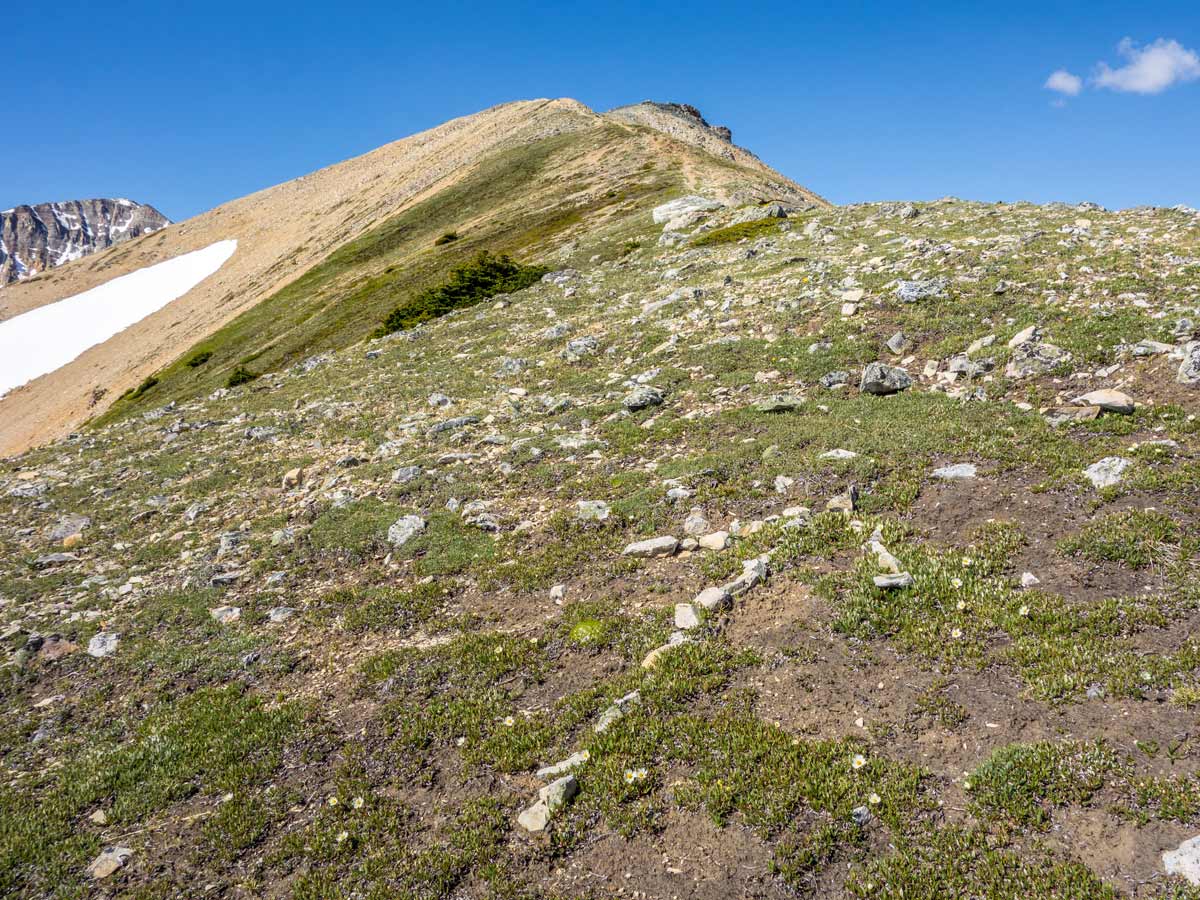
(36, 238)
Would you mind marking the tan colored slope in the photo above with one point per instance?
(282, 232)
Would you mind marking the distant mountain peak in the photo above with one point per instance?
(36, 238)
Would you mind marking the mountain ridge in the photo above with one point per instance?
(34, 238)
(286, 230)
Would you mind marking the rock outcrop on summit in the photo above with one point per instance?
(36, 238)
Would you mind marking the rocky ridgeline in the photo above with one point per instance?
(759, 425)
(36, 238)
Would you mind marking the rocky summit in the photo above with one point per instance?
(623, 520)
(36, 238)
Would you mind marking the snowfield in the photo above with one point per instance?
(46, 338)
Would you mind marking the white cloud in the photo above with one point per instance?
(1150, 69)
(1064, 82)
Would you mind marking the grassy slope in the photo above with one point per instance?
(512, 203)
(382, 741)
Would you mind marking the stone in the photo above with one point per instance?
(913, 291)
(226, 615)
(835, 379)
(686, 617)
(695, 524)
(712, 598)
(109, 861)
(592, 510)
(405, 474)
(1108, 400)
(897, 343)
(898, 580)
(838, 454)
(956, 472)
(551, 798)
(1189, 369)
(880, 380)
(681, 207)
(1107, 471)
(717, 540)
(574, 761)
(103, 643)
(1028, 580)
(280, 614)
(292, 478)
(54, 559)
(615, 710)
(405, 529)
(1062, 415)
(1184, 860)
(1024, 336)
(1035, 358)
(558, 593)
(780, 403)
(642, 397)
(69, 526)
(861, 815)
(653, 547)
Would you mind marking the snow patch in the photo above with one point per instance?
(46, 338)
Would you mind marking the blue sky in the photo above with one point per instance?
(186, 105)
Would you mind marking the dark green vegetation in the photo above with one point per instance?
(239, 376)
(483, 277)
(732, 234)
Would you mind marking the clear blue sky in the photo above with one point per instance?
(186, 105)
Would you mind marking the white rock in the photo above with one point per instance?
(1184, 860)
(574, 761)
(712, 598)
(109, 861)
(1107, 471)
(405, 529)
(899, 580)
(718, 540)
(659, 546)
(103, 643)
(1108, 400)
(838, 454)
(955, 472)
(592, 510)
(1028, 580)
(1024, 336)
(686, 617)
(226, 615)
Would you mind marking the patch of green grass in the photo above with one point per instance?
(382, 607)
(357, 529)
(199, 358)
(1136, 538)
(1022, 783)
(213, 741)
(960, 862)
(962, 602)
(731, 234)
